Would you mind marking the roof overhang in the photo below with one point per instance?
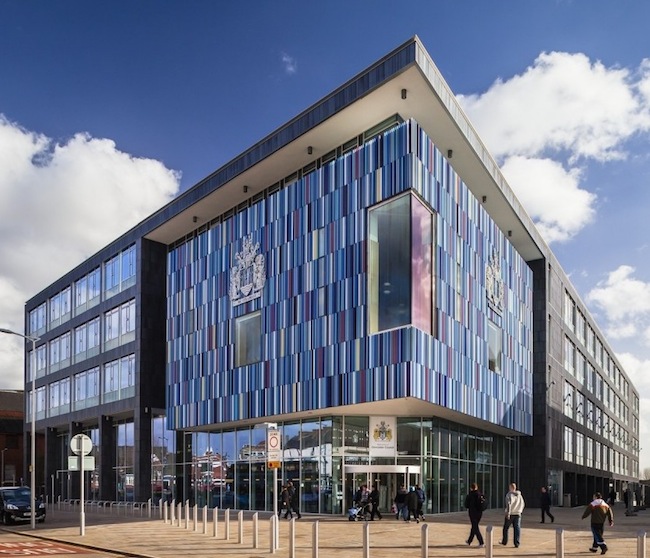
(428, 100)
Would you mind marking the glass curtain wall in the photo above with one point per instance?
(228, 469)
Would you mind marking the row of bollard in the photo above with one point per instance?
(173, 514)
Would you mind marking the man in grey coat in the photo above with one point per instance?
(514, 508)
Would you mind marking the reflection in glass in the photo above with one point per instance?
(400, 265)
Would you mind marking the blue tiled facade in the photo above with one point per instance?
(316, 351)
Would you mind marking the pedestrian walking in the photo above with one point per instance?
(285, 498)
(600, 511)
(514, 508)
(545, 504)
(421, 498)
(374, 502)
(400, 503)
(475, 503)
(412, 505)
(294, 499)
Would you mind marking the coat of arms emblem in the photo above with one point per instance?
(382, 432)
(247, 276)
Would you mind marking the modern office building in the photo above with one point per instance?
(364, 278)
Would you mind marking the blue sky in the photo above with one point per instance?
(107, 110)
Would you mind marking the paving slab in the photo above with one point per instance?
(337, 537)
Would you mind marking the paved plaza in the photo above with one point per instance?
(338, 537)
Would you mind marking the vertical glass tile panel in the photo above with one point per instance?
(421, 265)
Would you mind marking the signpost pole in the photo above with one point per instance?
(82, 514)
(81, 445)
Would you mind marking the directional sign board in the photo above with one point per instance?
(81, 444)
(273, 448)
(75, 465)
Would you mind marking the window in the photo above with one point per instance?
(248, 339)
(119, 271)
(569, 356)
(41, 361)
(568, 444)
(119, 379)
(580, 448)
(568, 399)
(495, 346)
(400, 265)
(119, 325)
(86, 340)
(86, 291)
(37, 319)
(128, 266)
(112, 275)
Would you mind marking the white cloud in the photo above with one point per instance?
(290, 64)
(562, 110)
(59, 204)
(621, 296)
(563, 102)
(539, 184)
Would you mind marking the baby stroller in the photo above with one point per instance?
(360, 512)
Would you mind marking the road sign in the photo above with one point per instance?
(273, 448)
(75, 465)
(81, 444)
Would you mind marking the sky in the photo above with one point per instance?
(110, 109)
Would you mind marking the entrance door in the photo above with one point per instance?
(353, 481)
(388, 485)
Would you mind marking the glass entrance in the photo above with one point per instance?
(386, 478)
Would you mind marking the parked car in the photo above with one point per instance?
(15, 504)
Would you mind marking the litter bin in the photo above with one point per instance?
(567, 500)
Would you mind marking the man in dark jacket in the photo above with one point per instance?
(374, 501)
(474, 504)
(545, 504)
(600, 512)
(412, 505)
(294, 499)
(400, 504)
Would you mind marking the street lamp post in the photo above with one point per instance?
(32, 459)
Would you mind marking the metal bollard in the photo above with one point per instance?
(215, 521)
(205, 519)
(273, 533)
(256, 539)
(226, 524)
(195, 517)
(165, 512)
(489, 538)
(292, 538)
(240, 527)
(180, 513)
(314, 540)
(366, 540)
(640, 544)
(425, 541)
(559, 543)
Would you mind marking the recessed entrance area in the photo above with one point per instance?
(387, 478)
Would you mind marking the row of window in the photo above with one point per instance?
(113, 381)
(118, 275)
(582, 450)
(575, 360)
(600, 390)
(585, 412)
(85, 341)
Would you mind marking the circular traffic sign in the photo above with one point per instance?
(81, 444)
(274, 440)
